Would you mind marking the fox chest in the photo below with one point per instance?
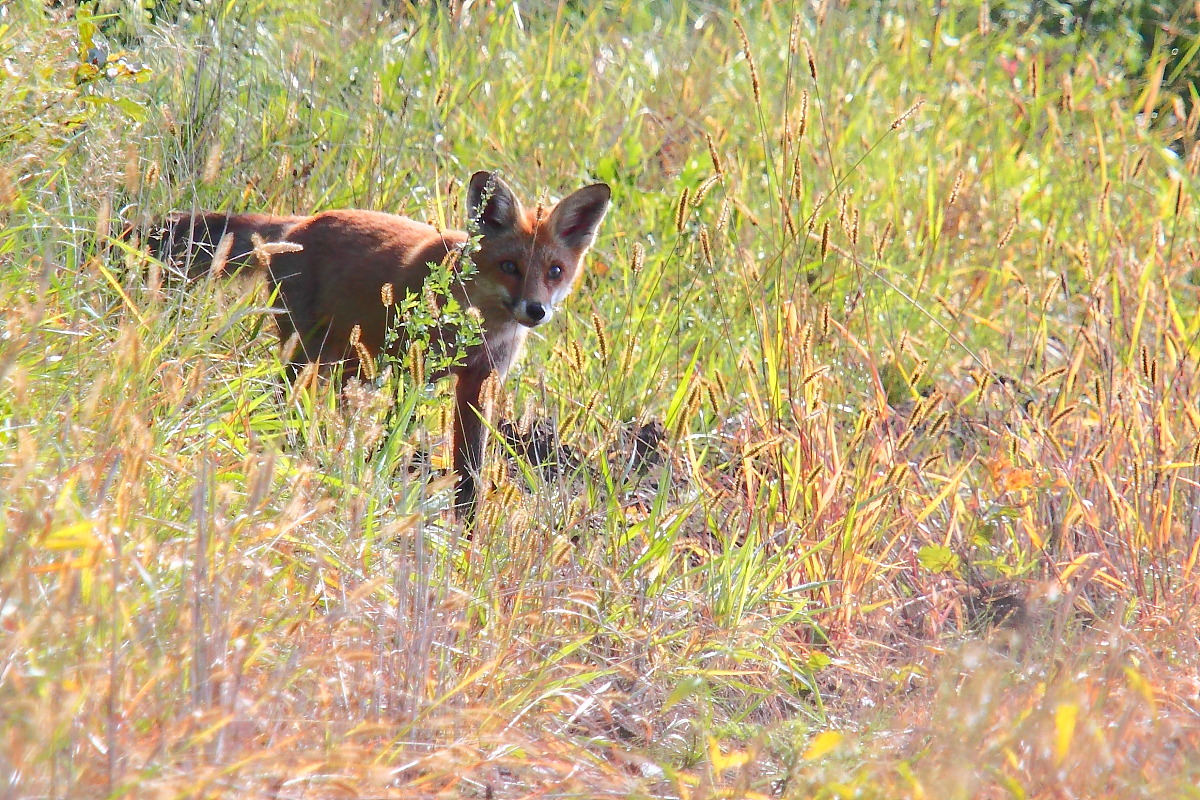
(497, 351)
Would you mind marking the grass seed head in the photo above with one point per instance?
(1137, 167)
(212, 165)
(712, 154)
(578, 359)
(1008, 232)
(432, 216)
(283, 173)
(365, 361)
(923, 409)
(958, 179)
(681, 210)
(818, 204)
(938, 425)
(816, 373)
(929, 462)
(812, 62)
(1062, 414)
(637, 258)
(217, 266)
(590, 409)
(918, 373)
(690, 408)
(103, 216)
(788, 225)
(429, 297)
(287, 350)
(722, 387)
(885, 238)
(264, 250)
(706, 246)
(703, 191)
(913, 109)
(1056, 445)
(416, 362)
(601, 337)
(754, 82)
(133, 171)
(710, 392)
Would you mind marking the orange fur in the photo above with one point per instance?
(526, 264)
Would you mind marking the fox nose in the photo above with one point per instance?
(535, 311)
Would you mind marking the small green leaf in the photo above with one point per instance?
(606, 169)
(132, 109)
(938, 558)
(818, 660)
(683, 690)
(87, 32)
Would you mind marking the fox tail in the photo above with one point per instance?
(188, 243)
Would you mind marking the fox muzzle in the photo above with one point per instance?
(531, 313)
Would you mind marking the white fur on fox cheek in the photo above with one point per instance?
(559, 295)
(564, 289)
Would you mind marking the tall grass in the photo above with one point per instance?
(863, 462)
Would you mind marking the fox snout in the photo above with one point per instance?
(532, 313)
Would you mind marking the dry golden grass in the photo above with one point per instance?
(864, 463)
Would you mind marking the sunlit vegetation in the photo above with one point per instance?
(862, 463)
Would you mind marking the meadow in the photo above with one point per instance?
(863, 461)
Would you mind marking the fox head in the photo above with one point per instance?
(528, 261)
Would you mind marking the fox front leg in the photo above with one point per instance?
(470, 434)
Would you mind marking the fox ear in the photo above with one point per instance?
(491, 205)
(577, 217)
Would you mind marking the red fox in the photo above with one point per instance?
(526, 264)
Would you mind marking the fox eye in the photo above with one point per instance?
(508, 268)
(554, 273)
